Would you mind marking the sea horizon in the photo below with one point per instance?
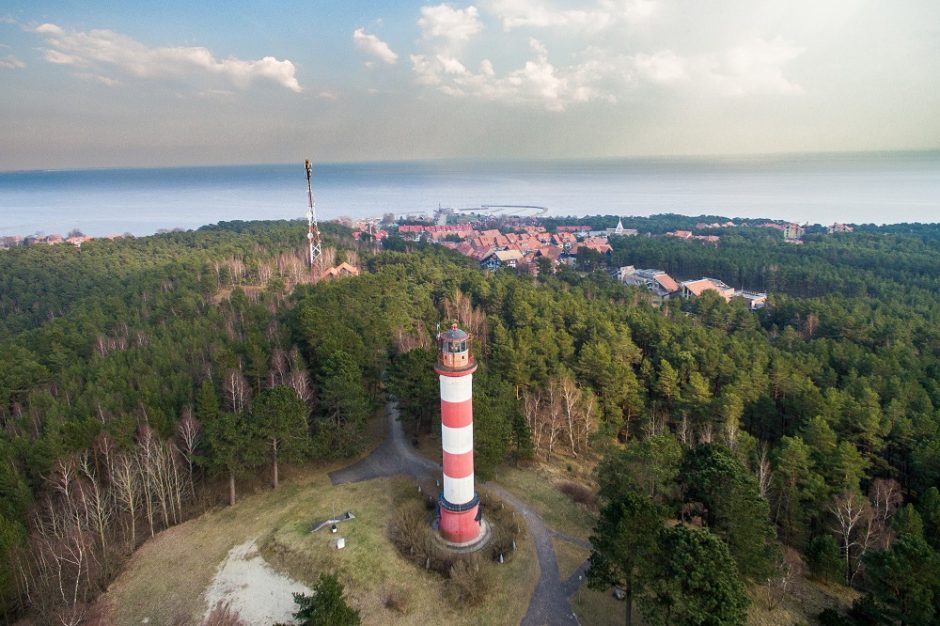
(820, 187)
(704, 157)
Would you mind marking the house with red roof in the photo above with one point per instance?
(657, 281)
(695, 288)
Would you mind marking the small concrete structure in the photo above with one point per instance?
(345, 517)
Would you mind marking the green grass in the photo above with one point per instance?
(600, 608)
(165, 579)
(569, 556)
(537, 489)
(801, 606)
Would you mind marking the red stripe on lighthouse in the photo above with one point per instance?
(458, 465)
(456, 414)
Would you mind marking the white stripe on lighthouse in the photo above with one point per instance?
(457, 440)
(456, 388)
(458, 490)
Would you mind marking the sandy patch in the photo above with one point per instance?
(260, 594)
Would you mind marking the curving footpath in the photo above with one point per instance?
(550, 604)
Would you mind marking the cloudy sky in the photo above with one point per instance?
(85, 84)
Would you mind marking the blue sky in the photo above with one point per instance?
(99, 84)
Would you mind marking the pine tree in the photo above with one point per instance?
(732, 506)
(280, 416)
(624, 545)
(693, 582)
(326, 606)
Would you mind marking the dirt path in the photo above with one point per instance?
(248, 585)
(550, 603)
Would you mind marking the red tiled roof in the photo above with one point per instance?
(697, 287)
(667, 282)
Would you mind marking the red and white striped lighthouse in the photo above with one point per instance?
(460, 520)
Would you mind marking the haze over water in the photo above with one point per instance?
(820, 188)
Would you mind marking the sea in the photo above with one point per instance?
(878, 188)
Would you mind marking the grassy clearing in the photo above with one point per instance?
(384, 586)
(569, 556)
(154, 585)
(801, 606)
(600, 608)
(537, 487)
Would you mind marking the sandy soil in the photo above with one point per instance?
(253, 588)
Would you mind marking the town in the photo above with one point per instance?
(528, 246)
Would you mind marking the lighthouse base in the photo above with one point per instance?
(460, 524)
(481, 540)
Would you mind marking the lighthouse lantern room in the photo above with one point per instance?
(460, 517)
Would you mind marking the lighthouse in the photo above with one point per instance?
(460, 517)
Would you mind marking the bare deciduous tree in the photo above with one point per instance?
(97, 503)
(145, 463)
(460, 308)
(125, 477)
(562, 411)
(885, 497)
(92, 499)
(278, 373)
(189, 434)
(655, 425)
(787, 570)
(855, 530)
(531, 410)
(763, 471)
(237, 392)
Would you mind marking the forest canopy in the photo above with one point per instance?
(824, 406)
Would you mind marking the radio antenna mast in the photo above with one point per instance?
(313, 229)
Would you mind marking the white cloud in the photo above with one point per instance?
(537, 82)
(603, 75)
(443, 22)
(216, 94)
(756, 68)
(373, 46)
(664, 67)
(10, 62)
(97, 49)
(538, 14)
(753, 68)
(98, 78)
(49, 29)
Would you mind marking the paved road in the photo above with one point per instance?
(393, 456)
(550, 604)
